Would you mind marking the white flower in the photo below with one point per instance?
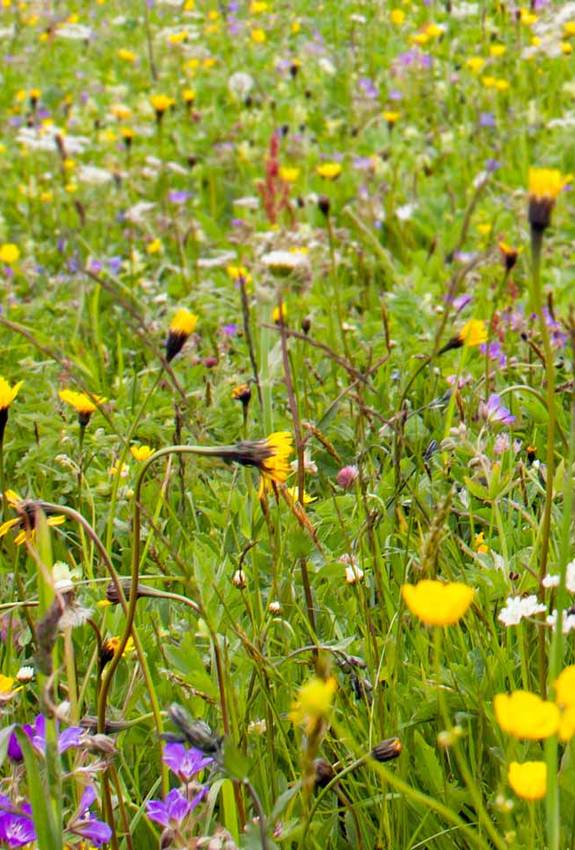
(327, 66)
(74, 32)
(25, 674)
(285, 261)
(550, 581)
(240, 84)
(44, 139)
(138, 212)
(353, 572)
(568, 624)
(518, 607)
(405, 212)
(62, 576)
(93, 176)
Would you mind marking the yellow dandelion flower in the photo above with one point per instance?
(437, 603)
(566, 48)
(9, 253)
(160, 104)
(497, 50)
(258, 36)
(141, 453)
(397, 17)
(391, 117)
(110, 648)
(83, 404)
(188, 96)
(155, 247)
(293, 495)
(26, 519)
(6, 683)
(569, 27)
(279, 314)
(525, 715)
(475, 64)
(126, 55)
(270, 456)
(242, 393)
(313, 703)
(181, 327)
(329, 170)
(258, 6)
(237, 272)
(473, 333)
(288, 174)
(545, 186)
(529, 779)
(8, 393)
(509, 254)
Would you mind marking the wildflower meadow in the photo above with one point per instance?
(287, 425)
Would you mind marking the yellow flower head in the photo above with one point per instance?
(545, 186)
(391, 117)
(437, 603)
(271, 456)
(288, 174)
(110, 648)
(181, 327)
(565, 687)
(329, 170)
(6, 683)
(567, 723)
(525, 715)
(509, 254)
(82, 404)
(237, 272)
(25, 521)
(242, 392)
(279, 314)
(9, 253)
(293, 496)
(528, 780)
(313, 702)
(141, 453)
(8, 393)
(397, 16)
(473, 333)
(161, 103)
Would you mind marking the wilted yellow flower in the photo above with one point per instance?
(313, 703)
(25, 520)
(141, 453)
(82, 404)
(525, 715)
(437, 603)
(329, 170)
(9, 253)
(528, 780)
(181, 327)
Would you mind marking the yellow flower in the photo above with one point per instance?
(473, 333)
(479, 543)
(528, 780)
(566, 48)
(188, 95)
(313, 703)
(258, 36)
(141, 453)
(6, 683)
(258, 6)
(110, 648)
(161, 103)
(279, 314)
(237, 272)
(329, 170)
(545, 185)
(155, 247)
(288, 175)
(475, 64)
(126, 55)
(9, 253)
(565, 687)
(433, 30)
(8, 393)
(242, 393)
(25, 520)
(509, 254)
(391, 117)
(293, 495)
(181, 327)
(397, 16)
(271, 456)
(84, 405)
(497, 50)
(567, 723)
(525, 715)
(569, 27)
(437, 603)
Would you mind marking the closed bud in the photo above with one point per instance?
(324, 205)
(306, 325)
(324, 773)
(387, 750)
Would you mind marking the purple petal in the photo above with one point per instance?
(88, 798)
(185, 762)
(94, 830)
(16, 830)
(14, 749)
(177, 806)
(69, 738)
(157, 812)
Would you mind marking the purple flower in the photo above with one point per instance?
(494, 352)
(347, 476)
(16, 827)
(86, 824)
(177, 196)
(494, 412)
(558, 337)
(185, 763)
(230, 329)
(368, 88)
(37, 734)
(460, 302)
(486, 119)
(175, 808)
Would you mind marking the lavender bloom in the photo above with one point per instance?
(86, 824)
(486, 119)
(494, 412)
(185, 763)
(494, 352)
(368, 88)
(37, 734)
(16, 827)
(177, 196)
(230, 330)
(174, 809)
(558, 337)
(460, 302)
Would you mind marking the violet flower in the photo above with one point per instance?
(494, 352)
(87, 824)
(494, 412)
(16, 827)
(185, 763)
(67, 739)
(175, 808)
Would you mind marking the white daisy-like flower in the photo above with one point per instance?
(284, 262)
(240, 84)
(74, 32)
(518, 607)
(93, 176)
(25, 674)
(568, 622)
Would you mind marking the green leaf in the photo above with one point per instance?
(235, 763)
(48, 830)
